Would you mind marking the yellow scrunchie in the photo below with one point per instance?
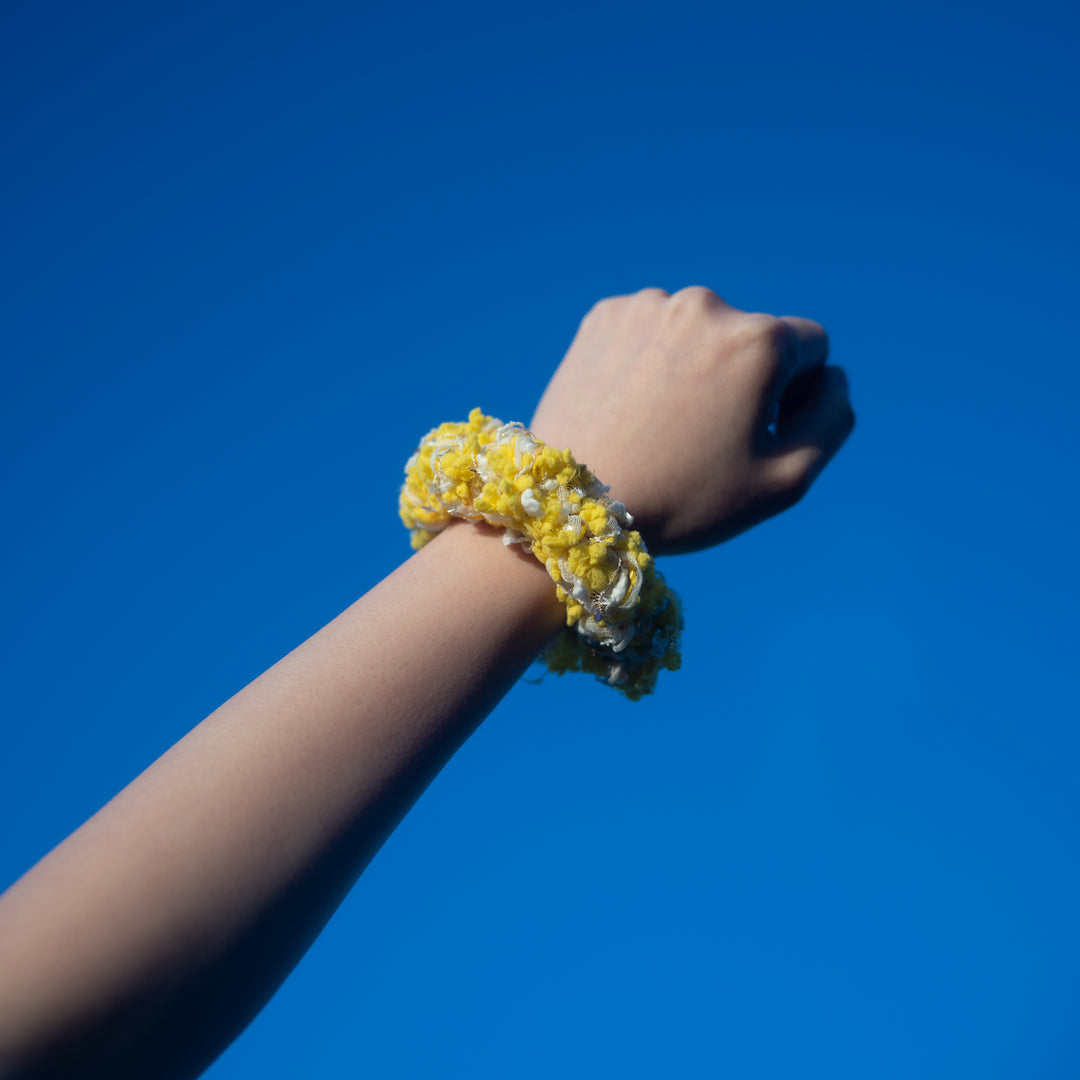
(626, 619)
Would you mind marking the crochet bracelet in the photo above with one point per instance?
(623, 621)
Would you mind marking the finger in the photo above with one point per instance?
(810, 431)
(808, 352)
(809, 344)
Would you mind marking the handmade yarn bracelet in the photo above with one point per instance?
(623, 621)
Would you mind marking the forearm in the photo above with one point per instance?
(180, 907)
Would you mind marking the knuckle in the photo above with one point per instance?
(792, 478)
(766, 332)
(600, 310)
(696, 296)
(650, 294)
(763, 341)
(637, 305)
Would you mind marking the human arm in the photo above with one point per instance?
(147, 940)
(144, 943)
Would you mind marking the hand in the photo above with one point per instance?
(703, 419)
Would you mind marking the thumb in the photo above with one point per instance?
(812, 423)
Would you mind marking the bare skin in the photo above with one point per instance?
(146, 941)
(668, 399)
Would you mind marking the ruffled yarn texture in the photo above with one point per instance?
(624, 620)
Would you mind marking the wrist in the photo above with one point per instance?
(509, 585)
(625, 620)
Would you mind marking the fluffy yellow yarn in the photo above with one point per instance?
(626, 619)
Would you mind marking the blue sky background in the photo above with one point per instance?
(252, 251)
